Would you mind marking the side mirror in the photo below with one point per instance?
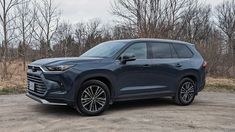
(127, 58)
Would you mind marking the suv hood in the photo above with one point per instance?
(68, 60)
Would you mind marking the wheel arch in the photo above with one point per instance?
(192, 75)
(104, 76)
(103, 79)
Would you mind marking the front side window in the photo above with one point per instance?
(160, 50)
(183, 51)
(139, 50)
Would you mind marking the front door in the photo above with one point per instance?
(133, 77)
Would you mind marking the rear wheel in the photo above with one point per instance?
(186, 92)
(93, 98)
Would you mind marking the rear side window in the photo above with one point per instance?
(183, 51)
(160, 50)
(173, 52)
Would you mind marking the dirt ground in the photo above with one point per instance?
(210, 112)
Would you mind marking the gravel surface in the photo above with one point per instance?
(210, 112)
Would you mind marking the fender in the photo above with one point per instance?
(107, 74)
(193, 73)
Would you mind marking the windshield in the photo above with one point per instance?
(106, 49)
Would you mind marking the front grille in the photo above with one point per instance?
(39, 86)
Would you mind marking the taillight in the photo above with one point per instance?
(205, 64)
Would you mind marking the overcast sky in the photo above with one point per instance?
(74, 11)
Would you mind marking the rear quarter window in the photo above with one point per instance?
(183, 51)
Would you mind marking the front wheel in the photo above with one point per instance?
(93, 98)
(186, 92)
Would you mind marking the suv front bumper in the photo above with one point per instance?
(43, 101)
(51, 88)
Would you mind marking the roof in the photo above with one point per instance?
(152, 39)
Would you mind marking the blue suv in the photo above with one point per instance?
(119, 70)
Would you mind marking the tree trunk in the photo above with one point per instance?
(24, 55)
(24, 46)
(5, 48)
(233, 56)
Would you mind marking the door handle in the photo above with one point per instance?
(147, 65)
(178, 65)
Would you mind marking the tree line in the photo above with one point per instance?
(31, 29)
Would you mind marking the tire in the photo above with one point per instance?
(93, 98)
(186, 92)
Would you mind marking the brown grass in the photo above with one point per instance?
(224, 81)
(220, 85)
(16, 76)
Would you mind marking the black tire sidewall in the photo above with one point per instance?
(178, 98)
(81, 109)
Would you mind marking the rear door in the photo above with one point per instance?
(165, 67)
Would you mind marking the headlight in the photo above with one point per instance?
(59, 67)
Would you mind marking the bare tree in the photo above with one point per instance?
(41, 34)
(7, 18)
(123, 32)
(226, 22)
(94, 34)
(88, 34)
(152, 18)
(195, 24)
(63, 37)
(141, 14)
(80, 35)
(26, 21)
(47, 19)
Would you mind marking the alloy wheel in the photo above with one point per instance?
(187, 92)
(93, 98)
